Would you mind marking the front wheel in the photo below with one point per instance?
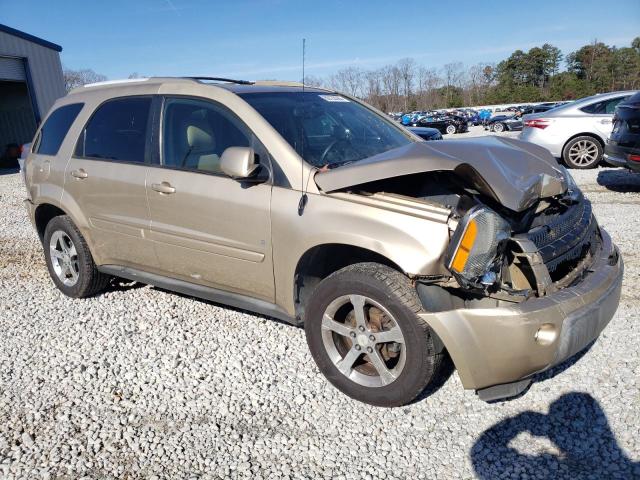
(451, 129)
(365, 335)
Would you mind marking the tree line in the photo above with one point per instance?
(540, 74)
(533, 76)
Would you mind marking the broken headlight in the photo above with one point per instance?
(473, 253)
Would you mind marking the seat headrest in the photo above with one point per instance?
(200, 137)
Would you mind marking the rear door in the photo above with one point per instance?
(106, 179)
(208, 228)
(601, 115)
(44, 173)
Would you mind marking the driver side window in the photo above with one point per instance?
(195, 133)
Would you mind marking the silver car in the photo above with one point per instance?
(575, 132)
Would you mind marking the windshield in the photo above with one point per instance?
(327, 129)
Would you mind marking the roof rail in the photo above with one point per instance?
(221, 79)
(115, 82)
(278, 83)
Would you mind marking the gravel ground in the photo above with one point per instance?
(142, 383)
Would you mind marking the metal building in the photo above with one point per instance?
(30, 81)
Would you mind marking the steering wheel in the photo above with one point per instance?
(330, 147)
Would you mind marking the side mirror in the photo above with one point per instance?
(239, 162)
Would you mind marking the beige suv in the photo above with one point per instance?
(311, 207)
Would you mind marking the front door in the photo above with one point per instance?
(208, 228)
(106, 179)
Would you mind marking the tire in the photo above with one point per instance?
(72, 268)
(582, 152)
(498, 127)
(391, 305)
(451, 129)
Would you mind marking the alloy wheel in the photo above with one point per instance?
(583, 153)
(64, 258)
(363, 340)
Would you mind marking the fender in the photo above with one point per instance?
(414, 236)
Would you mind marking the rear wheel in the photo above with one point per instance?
(582, 152)
(69, 260)
(451, 129)
(498, 127)
(366, 338)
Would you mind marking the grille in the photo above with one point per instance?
(566, 238)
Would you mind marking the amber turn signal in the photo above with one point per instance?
(466, 244)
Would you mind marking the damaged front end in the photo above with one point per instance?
(515, 256)
(527, 279)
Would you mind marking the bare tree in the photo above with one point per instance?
(311, 81)
(348, 80)
(428, 81)
(407, 69)
(77, 78)
(373, 89)
(453, 75)
(391, 82)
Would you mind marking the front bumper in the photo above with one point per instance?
(503, 345)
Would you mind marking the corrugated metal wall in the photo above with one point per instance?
(44, 65)
(12, 69)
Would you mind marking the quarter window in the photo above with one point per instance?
(55, 129)
(604, 107)
(196, 132)
(117, 131)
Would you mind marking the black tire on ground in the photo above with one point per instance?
(498, 127)
(90, 280)
(394, 292)
(591, 147)
(451, 129)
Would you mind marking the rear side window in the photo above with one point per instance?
(55, 129)
(603, 107)
(117, 131)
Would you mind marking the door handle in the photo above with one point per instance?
(164, 187)
(605, 121)
(80, 173)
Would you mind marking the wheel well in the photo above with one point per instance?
(584, 134)
(319, 262)
(43, 215)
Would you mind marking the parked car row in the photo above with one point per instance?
(513, 123)
(445, 122)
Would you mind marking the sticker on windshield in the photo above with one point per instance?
(333, 98)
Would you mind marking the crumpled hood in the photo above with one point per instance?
(514, 173)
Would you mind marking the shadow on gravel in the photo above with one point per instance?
(577, 427)
(9, 171)
(619, 180)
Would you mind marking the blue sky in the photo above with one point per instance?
(262, 39)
